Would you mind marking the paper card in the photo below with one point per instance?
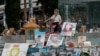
(15, 49)
(54, 40)
(40, 39)
(87, 43)
(81, 39)
(68, 28)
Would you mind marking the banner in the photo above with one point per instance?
(15, 49)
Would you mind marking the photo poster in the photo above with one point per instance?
(15, 49)
(81, 40)
(40, 39)
(68, 28)
(87, 43)
(54, 40)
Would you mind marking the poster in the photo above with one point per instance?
(68, 28)
(69, 51)
(87, 43)
(40, 39)
(81, 40)
(15, 49)
(54, 40)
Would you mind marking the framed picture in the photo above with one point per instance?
(54, 40)
(68, 28)
(15, 49)
(40, 39)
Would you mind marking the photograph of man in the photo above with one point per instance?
(54, 40)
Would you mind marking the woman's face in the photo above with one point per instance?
(68, 27)
(55, 12)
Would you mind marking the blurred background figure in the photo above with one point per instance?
(11, 31)
(57, 20)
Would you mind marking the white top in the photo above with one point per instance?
(56, 18)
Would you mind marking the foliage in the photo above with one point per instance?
(12, 10)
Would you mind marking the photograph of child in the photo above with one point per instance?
(69, 28)
(54, 40)
(40, 39)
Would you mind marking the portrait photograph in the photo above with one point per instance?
(40, 39)
(54, 40)
(68, 28)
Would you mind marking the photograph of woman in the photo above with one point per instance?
(69, 28)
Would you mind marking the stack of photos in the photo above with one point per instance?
(40, 39)
(15, 49)
(54, 40)
(68, 28)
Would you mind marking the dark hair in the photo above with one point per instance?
(69, 29)
(39, 36)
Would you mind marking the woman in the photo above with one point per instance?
(56, 20)
(68, 27)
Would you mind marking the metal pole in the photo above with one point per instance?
(30, 9)
(25, 10)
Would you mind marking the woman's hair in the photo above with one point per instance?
(39, 36)
(65, 29)
(56, 10)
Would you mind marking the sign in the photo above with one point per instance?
(15, 49)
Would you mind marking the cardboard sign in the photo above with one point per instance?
(40, 39)
(68, 28)
(81, 39)
(87, 43)
(15, 49)
(54, 40)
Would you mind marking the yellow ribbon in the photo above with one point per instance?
(17, 51)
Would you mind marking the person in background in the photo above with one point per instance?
(73, 19)
(56, 20)
(79, 24)
(11, 31)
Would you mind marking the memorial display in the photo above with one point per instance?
(40, 43)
